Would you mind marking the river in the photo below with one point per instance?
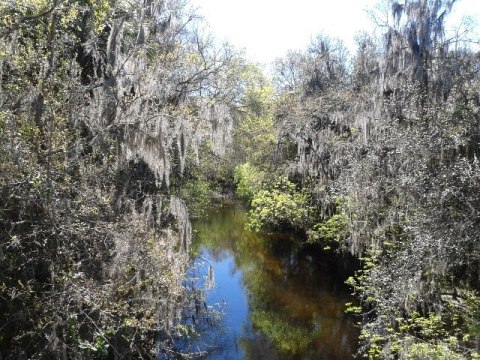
(259, 296)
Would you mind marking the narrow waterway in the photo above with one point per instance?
(262, 297)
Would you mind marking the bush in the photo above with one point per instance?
(332, 231)
(280, 207)
(248, 180)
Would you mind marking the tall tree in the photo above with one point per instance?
(101, 102)
(382, 151)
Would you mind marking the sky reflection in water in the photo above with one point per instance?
(278, 302)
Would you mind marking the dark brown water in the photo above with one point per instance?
(267, 299)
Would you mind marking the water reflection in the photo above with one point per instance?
(278, 302)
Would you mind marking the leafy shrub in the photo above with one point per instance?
(248, 180)
(334, 230)
(280, 207)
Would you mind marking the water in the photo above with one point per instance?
(262, 297)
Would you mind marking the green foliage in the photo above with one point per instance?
(353, 309)
(434, 336)
(248, 181)
(255, 136)
(201, 185)
(472, 314)
(198, 194)
(332, 231)
(101, 12)
(259, 97)
(282, 206)
(421, 351)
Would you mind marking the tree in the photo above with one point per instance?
(101, 103)
(395, 141)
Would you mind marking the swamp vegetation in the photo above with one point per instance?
(120, 121)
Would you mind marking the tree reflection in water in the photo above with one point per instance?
(281, 301)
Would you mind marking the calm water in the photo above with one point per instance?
(260, 297)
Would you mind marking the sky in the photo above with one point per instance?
(266, 29)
